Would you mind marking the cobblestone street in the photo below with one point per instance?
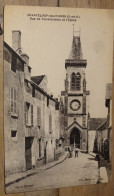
(73, 171)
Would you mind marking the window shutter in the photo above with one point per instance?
(50, 123)
(25, 110)
(39, 117)
(31, 114)
(13, 100)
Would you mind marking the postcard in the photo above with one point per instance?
(57, 97)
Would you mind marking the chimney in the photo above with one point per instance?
(16, 40)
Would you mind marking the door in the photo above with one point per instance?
(75, 138)
(28, 152)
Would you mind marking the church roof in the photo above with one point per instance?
(103, 126)
(94, 123)
(76, 50)
(37, 79)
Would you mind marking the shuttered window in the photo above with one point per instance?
(13, 100)
(50, 123)
(27, 113)
(39, 117)
(32, 115)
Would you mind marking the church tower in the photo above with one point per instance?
(76, 97)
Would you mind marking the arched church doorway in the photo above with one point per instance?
(75, 138)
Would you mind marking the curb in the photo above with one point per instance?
(28, 175)
(58, 162)
(91, 155)
(19, 179)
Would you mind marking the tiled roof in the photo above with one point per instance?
(37, 79)
(94, 123)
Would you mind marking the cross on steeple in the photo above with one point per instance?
(76, 32)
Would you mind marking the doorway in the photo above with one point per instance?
(75, 138)
(28, 152)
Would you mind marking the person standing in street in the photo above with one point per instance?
(76, 151)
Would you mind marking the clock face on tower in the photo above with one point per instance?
(75, 104)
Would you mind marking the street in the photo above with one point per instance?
(81, 170)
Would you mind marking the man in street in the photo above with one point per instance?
(76, 151)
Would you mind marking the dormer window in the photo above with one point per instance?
(13, 62)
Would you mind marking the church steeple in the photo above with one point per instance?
(76, 57)
(75, 96)
(76, 50)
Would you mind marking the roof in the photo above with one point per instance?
(41, 90)
(12, 51)
(76, 50)
(103, 126)
(94, 123)
(37, 79)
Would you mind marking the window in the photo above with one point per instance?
(73, 81)
(13, 63)
(14, 135)
(39, 148)
(39, 117)
(27, 114)
(47, 101)
(50, 123)
(31, 115)
(13, 100)
(33, 92)
(78, 81)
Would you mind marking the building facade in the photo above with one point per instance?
(13, 111)
(104, 131)
(31, 126)
(108, 104)
(93, 124)
(76, 97)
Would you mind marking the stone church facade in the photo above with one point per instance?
(76, 97)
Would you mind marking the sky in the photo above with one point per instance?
(48, 44)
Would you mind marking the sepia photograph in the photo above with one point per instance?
(57, 97)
